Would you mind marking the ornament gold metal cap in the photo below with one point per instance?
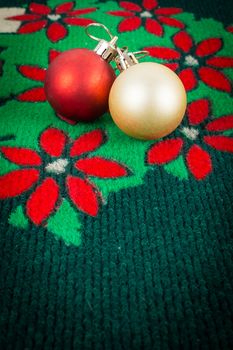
(125, 59)
(106, 49)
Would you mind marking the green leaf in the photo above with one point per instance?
(177, 168)
(18, 218)
(65, 224)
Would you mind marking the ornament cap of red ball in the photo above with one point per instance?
(77, 85)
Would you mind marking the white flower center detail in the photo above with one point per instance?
(190, 133)
(57, 167)
(54, 17)
(191, 61)
(145, 14)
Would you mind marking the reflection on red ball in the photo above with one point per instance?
(78, 83)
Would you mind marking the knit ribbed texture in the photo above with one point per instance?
(155, 273)
(109, 242)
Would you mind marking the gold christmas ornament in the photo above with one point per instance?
(147, 100)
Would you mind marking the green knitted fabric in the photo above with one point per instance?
(108, 242)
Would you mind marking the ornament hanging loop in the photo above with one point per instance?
(106, 49)
(99, 25)
(140, 54)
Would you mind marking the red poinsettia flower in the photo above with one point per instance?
(41, 16)
(62, 167)
(149, 14)
(35, 94)
(230, 28)
(196, 61)
(199, 134)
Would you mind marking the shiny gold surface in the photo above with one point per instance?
(147, 101)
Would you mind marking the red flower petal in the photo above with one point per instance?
(230, 29)
(81, 11)
(33, 72)
(221, 143)
(172, 22)
(149, 4)
(82, 22)
(100, 167)
(221, 124)
(154, 27)
(120, 13)
(183, 41)
(164, 53)
(129, 24)
(88, 142)
(172, 66)
(17, 182)
(83, 194)
(220, 62)
(32, 27)
(25, 17)
(214, 79)
(198, 111)
(130, 6)
(168, 11)
(64, 8)
(188, 78)
(208, 47)
(42, 201)
(53, 141)
(53, 54)
(36, 94)
(39, 9)
(56, 31)
(21, 156)
(164, 151)
(199, 162)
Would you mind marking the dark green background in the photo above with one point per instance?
(154, 272)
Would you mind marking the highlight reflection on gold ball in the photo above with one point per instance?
(147, 101)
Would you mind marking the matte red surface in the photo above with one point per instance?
(77, 84)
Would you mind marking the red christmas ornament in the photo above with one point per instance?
(78, 81)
